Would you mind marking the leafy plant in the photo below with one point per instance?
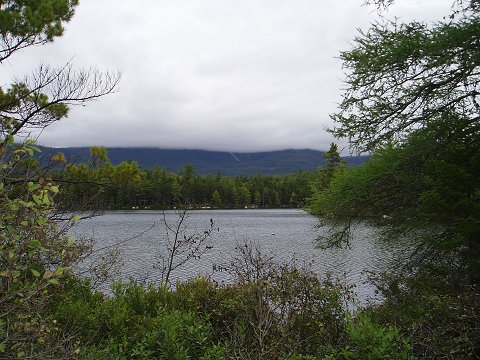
(35, 253)
(371, 341)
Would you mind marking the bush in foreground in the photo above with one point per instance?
(285, 313)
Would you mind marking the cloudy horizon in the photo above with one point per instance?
(236, 76)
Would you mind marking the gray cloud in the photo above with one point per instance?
(235, 75)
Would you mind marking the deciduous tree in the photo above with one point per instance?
(35, 251)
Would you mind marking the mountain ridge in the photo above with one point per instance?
(226, 163)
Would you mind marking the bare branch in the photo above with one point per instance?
(43, 98)
(183, 244)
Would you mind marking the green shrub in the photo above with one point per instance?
(441, 325)
(35, 254)
(136, 322)
(370, 341)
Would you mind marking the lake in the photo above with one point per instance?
(285, 233)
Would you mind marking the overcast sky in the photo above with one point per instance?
(230, 75)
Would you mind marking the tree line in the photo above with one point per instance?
(99, 184)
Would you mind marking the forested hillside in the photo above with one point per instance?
(210, 162)
(98, 184)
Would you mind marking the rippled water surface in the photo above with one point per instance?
(284, 233)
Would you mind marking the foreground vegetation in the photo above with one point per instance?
(277, 313)
(412, 101)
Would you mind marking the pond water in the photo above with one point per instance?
(140, 237)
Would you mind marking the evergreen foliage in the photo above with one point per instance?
(412, 100)
(125, 186)
(27, 23)
(403, 76)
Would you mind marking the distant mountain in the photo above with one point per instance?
(211, 162)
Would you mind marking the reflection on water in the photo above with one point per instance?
(284, 233)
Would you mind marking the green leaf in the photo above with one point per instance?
(14, 206)
(36, 149)
(35, 273)
(32, 186)
(37, 199)
(35, 244)
(59, 271)
(75, 219)
(70, 240)
(28, 204)
(10, 140)
(46, 199)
